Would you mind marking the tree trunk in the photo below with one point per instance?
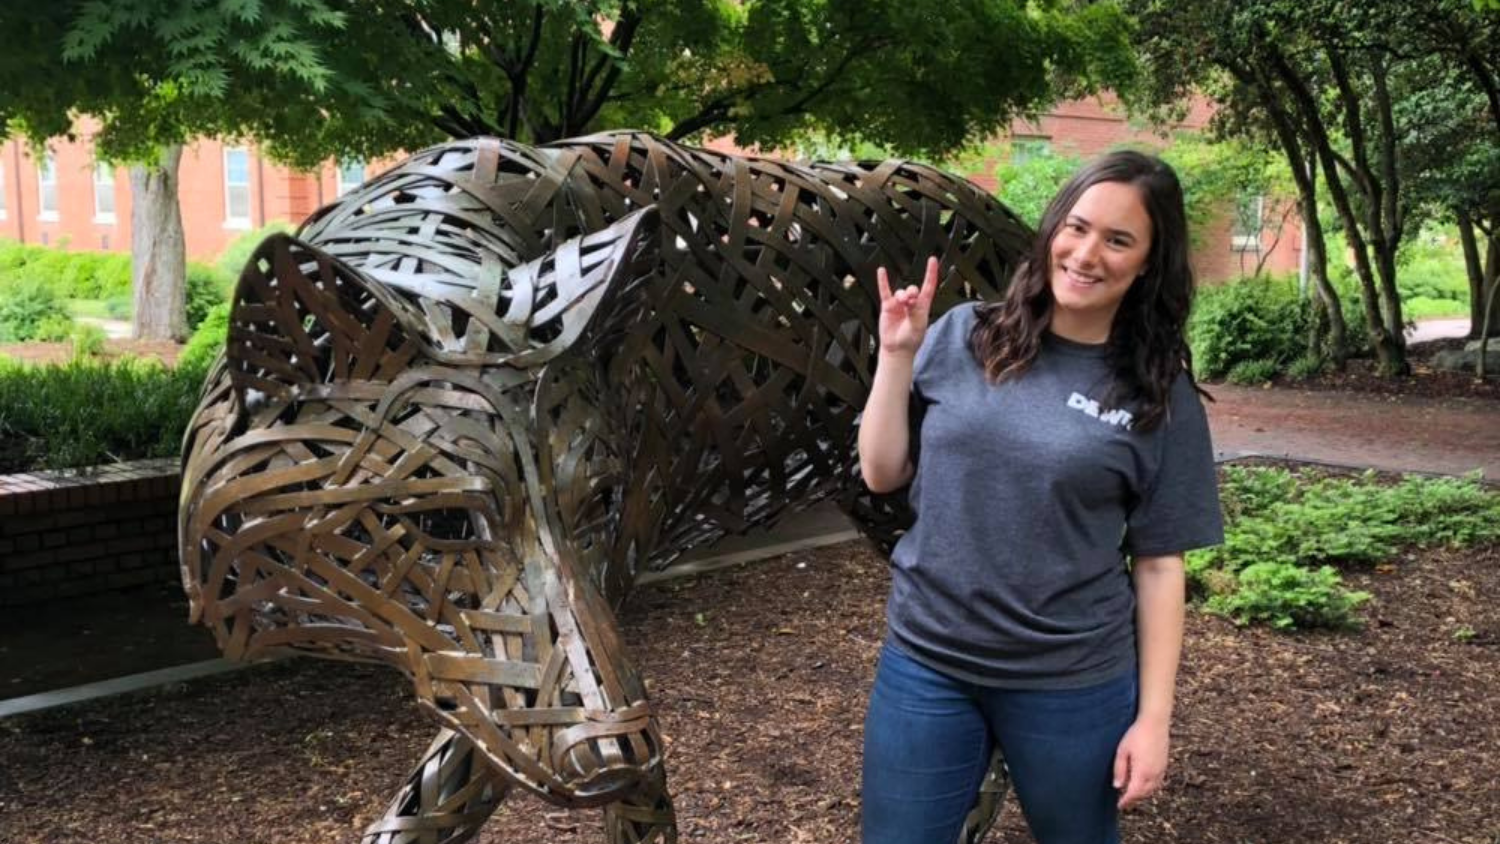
(1475, 272)
(158, 250)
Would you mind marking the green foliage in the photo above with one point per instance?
(1249, 372)
(1288, 596)
(88, 340)
(30, 310)
(88, 412)
(1285, 531)
(1215, 173)
(232, 260)
(1027, 187)
(1307, 366)
(206, 288)
(69, 275)
(1254, 320)
(207, 341)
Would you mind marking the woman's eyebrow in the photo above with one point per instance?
(1076, 218)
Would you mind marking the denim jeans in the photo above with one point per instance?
(928, 739)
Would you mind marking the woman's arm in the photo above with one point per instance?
(1160, 594)
(884, 432)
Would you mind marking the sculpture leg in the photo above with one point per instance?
(645, 817)
(991, 800)
(446, 799)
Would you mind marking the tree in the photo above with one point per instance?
(310, 79)
(157, 74)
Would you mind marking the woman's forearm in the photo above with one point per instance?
(1160, 590)
(884, 432)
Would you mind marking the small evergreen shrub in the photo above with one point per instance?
(88, 340)
(206, 288)
(232, 260)
(1307, 366)
(1287, 533)
(1253, 372)
(1249, 320)
(207, 341)
(30, 310)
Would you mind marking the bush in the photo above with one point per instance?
(1278, 521)
(1307, 366)
(232, 260)
(30, 310)
(1250, 320)
(207, 341)
(206, 288)
(1253, 372)
(87, 412)
(1288, 596)
(69, 275)
(88, 340)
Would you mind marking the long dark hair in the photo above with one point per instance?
(1147, 344)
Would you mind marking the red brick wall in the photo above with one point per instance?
(63, 535)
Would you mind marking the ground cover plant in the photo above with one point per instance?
(1288, 534)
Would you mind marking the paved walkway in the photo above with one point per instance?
(1410, 434)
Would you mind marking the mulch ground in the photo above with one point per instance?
(1361, 376)
(1387, 734)
(53, 353)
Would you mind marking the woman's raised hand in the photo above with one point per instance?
(904, 313)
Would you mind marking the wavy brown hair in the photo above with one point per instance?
(1147, 344)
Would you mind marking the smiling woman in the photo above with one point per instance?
(1060, 466)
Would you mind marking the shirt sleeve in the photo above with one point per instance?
(1179, 510)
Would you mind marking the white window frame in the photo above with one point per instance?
(104, 189)
(46, 176)
(1024, 148)
(1247, 241)
(342, 187)
(230, 220)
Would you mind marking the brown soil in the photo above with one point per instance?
(163, 350)
(1361, 376)
(760, 673)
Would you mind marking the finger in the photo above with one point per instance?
(1139, 788)
(883, 283)
(1122, 768)
(930, 281)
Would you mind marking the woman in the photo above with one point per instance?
(1047, 439)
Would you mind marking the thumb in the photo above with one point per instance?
(1122, 766)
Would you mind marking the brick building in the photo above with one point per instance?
(67, 198)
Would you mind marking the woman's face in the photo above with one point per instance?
(1097, 253)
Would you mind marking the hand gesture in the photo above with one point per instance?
(904, 313)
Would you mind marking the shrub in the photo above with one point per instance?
(1253, 372)
(30, 310)
(232, 260)
(1279, 521)
(88, 340)
(1307, 366)
(207, 341)
(206, 287)
(1287, 596)
(1253, 319)
(89, 412)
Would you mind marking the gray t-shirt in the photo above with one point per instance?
(1028, 496)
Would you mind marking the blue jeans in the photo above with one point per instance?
(928, 739)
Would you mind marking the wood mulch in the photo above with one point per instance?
(1384, 735)
(165, 351)
(1361, 376)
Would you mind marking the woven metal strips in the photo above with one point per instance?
(470, 403)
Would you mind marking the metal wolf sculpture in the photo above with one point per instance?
(471, 402)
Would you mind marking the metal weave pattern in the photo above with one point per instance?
(472, 401)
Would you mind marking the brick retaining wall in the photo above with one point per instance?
(65, 534)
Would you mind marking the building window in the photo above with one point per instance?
(236, 188)
(1023, 150)
(104, 193)
(1244, 232)
(46, 187)
(351, 174)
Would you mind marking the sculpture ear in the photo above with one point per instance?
(584, 286)
(302, 317)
